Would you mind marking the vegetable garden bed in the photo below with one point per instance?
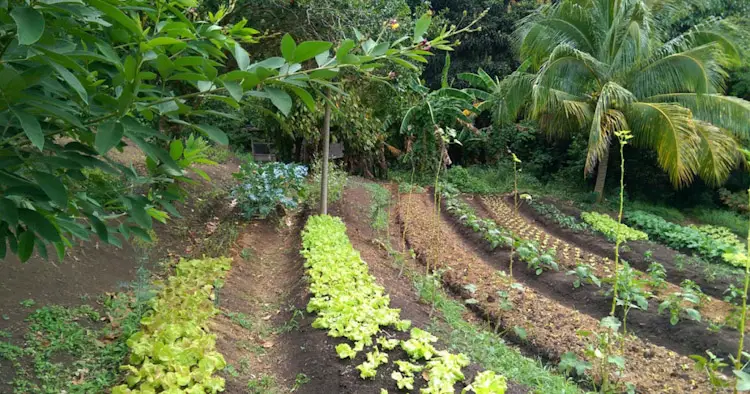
(535, 321)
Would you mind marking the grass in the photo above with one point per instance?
(379, 207)
(721, 217)
(483, 346)
(262, 385)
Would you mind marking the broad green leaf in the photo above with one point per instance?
(41, 248)
(344, 49)
(73, 81)
(240, 54)
(280, 99)
(214, 133)
(288, 46)
(29, 24)
(160, 41)
(118, 16)
(108, 135)
(323, 74)
(175, 149)
(234, 89)
(420, 28)
(41, 225)
(53, 186)
(404, 63)
(8, 212)
(309, 49)
(100, 228)
(25, 245)
(31, 128)
(380, 49)
(306, 97)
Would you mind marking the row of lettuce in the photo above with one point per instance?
(335, 270)
(174, 351)
(713, 243)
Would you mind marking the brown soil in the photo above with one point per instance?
(268, 287)
(94, 268)
(686, 338)
(598, 244)
(550, 327)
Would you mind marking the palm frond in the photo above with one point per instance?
(718, 154)
(670, 130)
(730, 113)
(694, 71)
(602, 124)
(512, 96)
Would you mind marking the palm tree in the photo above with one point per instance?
(600, 66)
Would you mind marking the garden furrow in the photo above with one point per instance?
(569, 256)
(686, 338)
(550, 329)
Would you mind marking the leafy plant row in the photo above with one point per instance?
(174, 352)
(335, 268)
(608, 226)
(705, 242)
(553, 213)
(536, 257)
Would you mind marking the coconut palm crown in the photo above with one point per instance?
(601, 66)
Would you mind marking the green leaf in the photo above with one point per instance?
(213, 133)
(404, 63)
(31, 127)
(324, 74)
(161, 41)
(175, 149)
(306, 97)
(288, 46)
(309, 49)
(25, 245)
(9, 212)
(280, 99)
(53, 187)
(118, 16)
(344, 49)
(420, 28)
(234, 89)
(73, 81)
(380, 49)
(29, 24)
(41, 225)
(743, 380)
(108, 135)
(100, 228)
(240, 54)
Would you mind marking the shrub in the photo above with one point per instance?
(263, 187)
(336, 183)
(608, 226)
(174, 352)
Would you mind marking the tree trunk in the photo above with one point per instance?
(601, 176)
(324, 174)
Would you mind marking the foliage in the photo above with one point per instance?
(676, 304)
(720, 234)
(264, 187)
(536, 258)
(712, 367)
(600, 67)
(487, 382)
(657, 276)
(550, 211)
(680, 237)
(721, 217)
(336, 183)
(332, 265)
(380, 206)
(631, 291)
(601, 354)
(173, 350)
(584, 275)
(608, 226)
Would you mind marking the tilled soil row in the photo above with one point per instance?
(599, 245)
(686, 338)
(550, 328)
(568, 255)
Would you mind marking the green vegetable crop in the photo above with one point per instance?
(608, 226)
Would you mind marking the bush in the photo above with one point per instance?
(336, 183)
(608, 226)
(264, 187)
(721, 217)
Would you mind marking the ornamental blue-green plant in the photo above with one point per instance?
(264, 187)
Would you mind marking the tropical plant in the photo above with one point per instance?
(676, 304)
(602, 66)
(628, 291)
(584, 275)
(657, 276)
(602, 357)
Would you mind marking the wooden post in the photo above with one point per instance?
(326, 141)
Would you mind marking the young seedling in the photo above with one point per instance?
(584, 275)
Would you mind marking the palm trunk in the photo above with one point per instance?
(601, 176)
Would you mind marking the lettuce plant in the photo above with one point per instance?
(487, 382)
(174, 352)
(609, 227)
